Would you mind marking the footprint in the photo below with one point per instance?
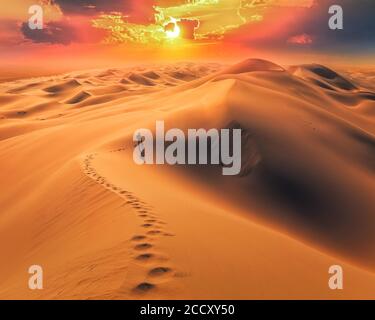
(145, 257)
(141, 242)
(166, 234)
(143, 246)
(153, 232)
(139, 238)
(143, 287)
(159, 271)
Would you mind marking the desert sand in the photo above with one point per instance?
(73, 201)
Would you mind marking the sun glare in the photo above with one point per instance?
(172, 34)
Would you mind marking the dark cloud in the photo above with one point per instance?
(93, 7)
(188, 27)
(359, 24)
(358, 33)
(55, 32)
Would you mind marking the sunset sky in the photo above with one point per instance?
(83, 33)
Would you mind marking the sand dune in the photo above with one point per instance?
(323, 76)
(73, 200)
(64, 86)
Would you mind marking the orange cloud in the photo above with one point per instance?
(301, 39)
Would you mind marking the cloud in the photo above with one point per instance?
(75, 29)
(188, 27)
(263, 23)
(54, 32)
(301, 39)
(136, 11)
(287, 27)
(93, 7)
(358, 24)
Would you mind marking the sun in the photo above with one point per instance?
(172, 30)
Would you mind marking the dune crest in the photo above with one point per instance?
(252, 65)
